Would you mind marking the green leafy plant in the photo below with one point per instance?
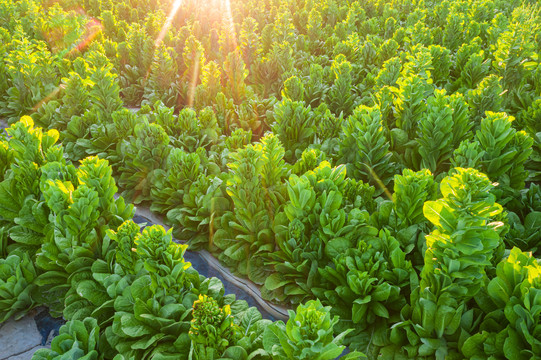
(294, 126)
(366, 285)
(212, 329)
(340, 97)
(31, 73)
(313, 228)
(17, 286)
(500, 151)
(308, 334)
(365, 148)
(511, 304)
(411, 191)
(154, 310)
(459, 253)
(445, 125)
(161, 85)
(142, 154)
(257, 191)
(77, 339)
(203, 202)
(81, 212)
(524, 235)
(181, 170)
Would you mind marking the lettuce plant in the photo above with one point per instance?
(31, 73)
(257, 190)
(410, 102)
(31, 151)
(533, 164)
(365, 148)
(161, 84)
(445, 125)
(500, 151)
(181, 170)
(187, 131)
(459, 253)
(313, 228)
(315, 89)
(308, 334)
(341, 98)
(77, 340)
(524, 234)
(294, 125)
(485, 97)
(152, 314)
(366, 286)
(212, 329)
(17, 285)
(203, 202)
(142, 154)
(82, 211)
(411, 191)
(107, 137)
(511, 303)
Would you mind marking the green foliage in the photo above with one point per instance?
(525, 235)
(295, 127)
(308, 334)
(366, 285)
(340, 97)
(380, 87)
(212, 329)
(153, 310)
(499, 150)
(511, 306)
(459, 253)
(293, 89)
(21, 203)
(257, 191)
(435, 134)
(512, 50)
(466, 199)
(486, 97)
(235, 72)
(533, 164)
(182, 169)
(365, 148)
(31, 74)
(161, 85)
(17, 287)
(313, 229)
(532, 117)
(203, 202)
(411, 191)
(142, 154)
(409, 102)
(81, 212)
(77, 339)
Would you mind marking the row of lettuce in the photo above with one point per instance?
(67, 243)
(352, 93)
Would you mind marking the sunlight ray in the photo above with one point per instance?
(193, 81)
(230, 26)
(165, 27)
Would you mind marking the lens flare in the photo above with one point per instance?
(93, 28)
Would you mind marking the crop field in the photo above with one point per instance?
(374, 166)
